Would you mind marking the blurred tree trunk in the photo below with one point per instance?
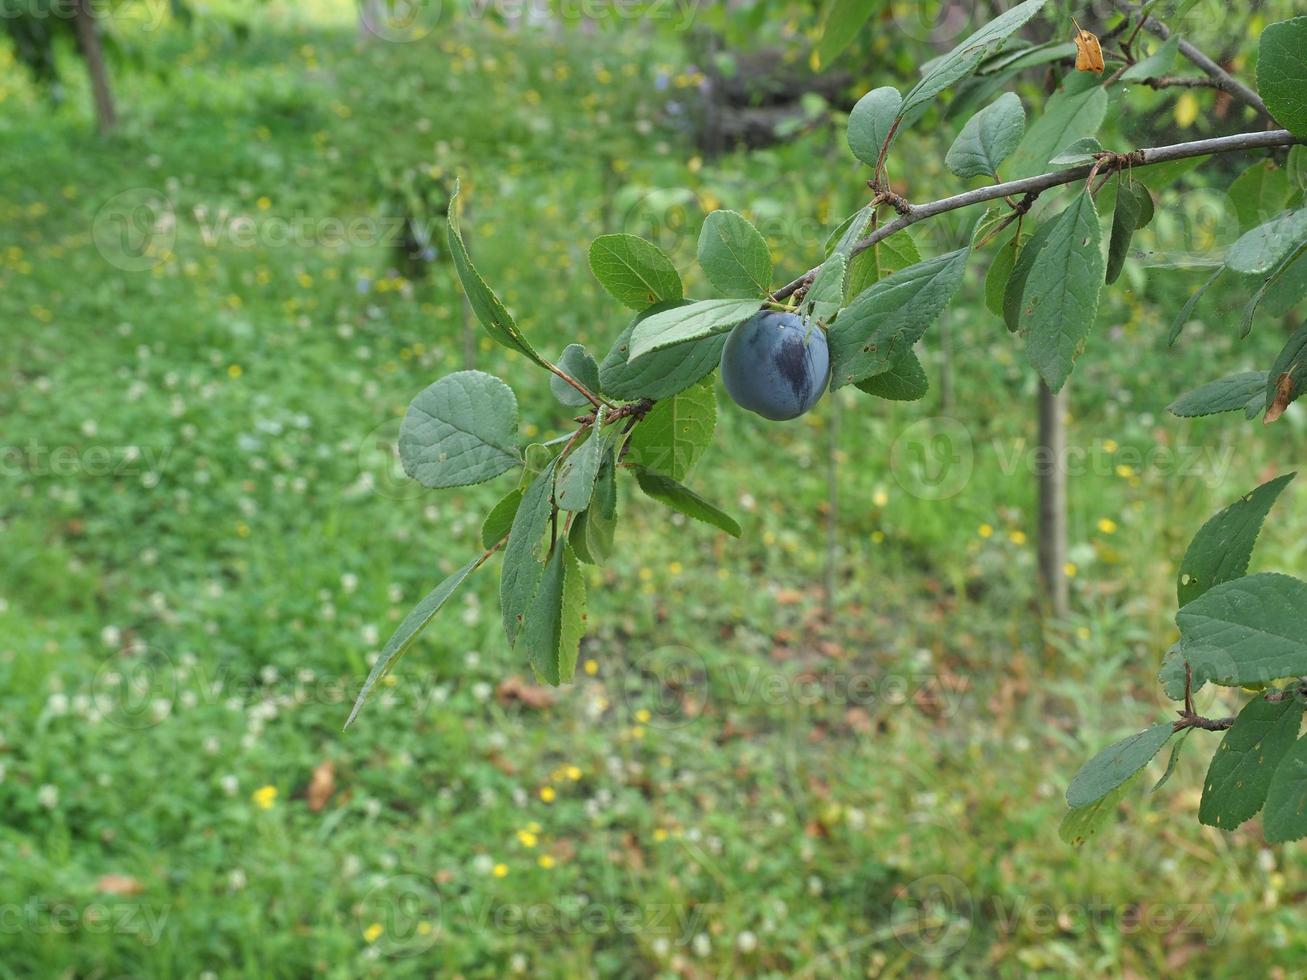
(1051, 472)
(88, 39)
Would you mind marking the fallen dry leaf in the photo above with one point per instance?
(516, 689)
(322, 785)
(118, 885)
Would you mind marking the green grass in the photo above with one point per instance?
(204, 545)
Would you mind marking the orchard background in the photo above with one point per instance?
(835, 747)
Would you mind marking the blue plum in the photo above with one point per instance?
(776, 364)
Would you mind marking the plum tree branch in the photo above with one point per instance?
(1223, 79)
(1107, 163)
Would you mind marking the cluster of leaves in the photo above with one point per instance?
(650, 406)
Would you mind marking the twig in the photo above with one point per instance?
(1178, 81)
(1223, 78)
(1038, 184)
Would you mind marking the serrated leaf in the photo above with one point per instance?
(578, 363)
(963, 59)
(577, 473)
(635, 272)
(734, 255)
(675, 433)
(1084, 822)
(414, 623)
(685, 323)
(500, 519)
(1172, 675)
(1156, 64)
(1286, 800)
(1251, 630)
(1228, 394)
(1240, 772)
(1077, 153)
(905, 381)
(485, 304)
(1075, 110)
(1060, 298)
(1000, 271)
(1260, 250)
(886, 257)
(1134, 210)
(460, 430)
(593, 530)
(889, 317)
(1016, 281)
(826, 295)
(1170, 763)
(848, 232)
(680, 498)
(1259, 194)
(1282, 73)
(839, 25)
(870, 122)
(988, 138)
(1186, 311)
(1115, 764)
(1222, 548)
(556, 620)
(520, 576)
(662, 374)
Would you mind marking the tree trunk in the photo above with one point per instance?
(1051, 473)
(88, 39)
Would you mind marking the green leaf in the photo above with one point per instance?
(1134, 210)
(963, 59)
(1170, 763)
(1074, 111)
(556, 621)
(884, 258)
(1077, 154)
(988, 138)
(1016, 281)
(1115, 764)
(1251, 630)
(1223, 547)
(1060, 298)
(1084, 822)
(592, 531)
(1156, 64)
(826, 294)
(679, 498)
(520, 576)
(663, 373)
(734, 256)
(1240, 772)
(889, 318)
(870, 122)
(577, 362)
(1172, 675)
(840, 24)
(1228, 394)
(684, 323)
(1282, 73)
(675, 433)
(578, 472)
(500, 519)
(460, 430)
(1186, 311)
(1000, 271)
(1259, 194)
(1286, 800)
(635, 272)
(1259, 251)
(414, 623)
(852, 228)
(485, 304)
(1287, 286)
(905, 381)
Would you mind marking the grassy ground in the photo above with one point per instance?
(205, 541)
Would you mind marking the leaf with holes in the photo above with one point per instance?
(1251, 630)
(1241, 770)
